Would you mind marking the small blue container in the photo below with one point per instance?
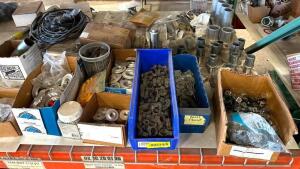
(193, 120)
(50, 117)
(146, 59)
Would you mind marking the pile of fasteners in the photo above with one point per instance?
(247, 104)
(154, 118)
(185, 89)
(108, 115)
(123, 74)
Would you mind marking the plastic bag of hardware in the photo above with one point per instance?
(5, 112)
(55, 67)
(250, 129)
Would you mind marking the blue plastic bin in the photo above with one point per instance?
(146, 59)
(193, 120)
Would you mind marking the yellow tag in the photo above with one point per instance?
(194, 120)
(154, 144)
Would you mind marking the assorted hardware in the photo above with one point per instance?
(110, 115)
(123, 74)
(154, 109)
(185, 89)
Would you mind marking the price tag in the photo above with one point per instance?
(194, 120)
(109, 162)
(151, 145)
(23, 164)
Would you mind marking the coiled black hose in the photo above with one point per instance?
(57, 25)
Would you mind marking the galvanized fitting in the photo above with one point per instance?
(233, 60)
(200, 42)
(215, 48)
(200, 52)
(213, 32)
(111, 115)
(226, 34)
(115, 78)
(128, 74)
(227, 16)
(249, 64)
(118, 69)
(212, 63)
(154, 38)
(126, 84)
(241, 43)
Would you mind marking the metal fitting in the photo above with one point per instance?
(200, 52)
(213, 32)
(249, 63)
(100, 114)
(215, 48)
(126, 84)
(241, 43)
(235, 48)
(118, 69)
(227, 34)
(115, 78)
(212, 63)
(115, 85)
(233, 60)
(128, 74)
(131, 65)
(124, 115)
(111, 115)
(154, 38)
(227, 16)
(268, 21)
(200, 41)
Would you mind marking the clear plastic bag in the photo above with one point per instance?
(55, 67)
(250, 129)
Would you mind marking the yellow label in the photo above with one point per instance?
(150, 145)
(194, 120)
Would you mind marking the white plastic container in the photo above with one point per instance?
(69, 115)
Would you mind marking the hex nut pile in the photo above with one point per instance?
(185, 89)
(123, 74)
(154, 118)
(244, 103)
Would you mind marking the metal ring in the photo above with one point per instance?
(115, 78)
(124, 114)
(128, 74)
(111, 115)
(118, 69)
(126, 84)
(100, 114)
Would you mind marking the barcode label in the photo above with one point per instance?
(103, 162)
(116, 159)
(23, 164)
(151, 145)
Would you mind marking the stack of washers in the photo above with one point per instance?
(104, 115)
(123, 74)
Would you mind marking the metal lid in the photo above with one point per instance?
(69, 112)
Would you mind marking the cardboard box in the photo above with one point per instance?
(295, 8)
(69, 130)
(113, 35)
(255, 14)
(9, 128)
(15, 69)
(253, 85)
(104, 134)
(120, 55)
(48, 114)
(25, 13)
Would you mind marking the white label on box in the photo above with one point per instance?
(103, 159)
(23, 164)
(109, 134)
(104, 165)
(103, 162)
(251, 152)
(29, 121)
(69, 130)
(12, 69)
(84, 35)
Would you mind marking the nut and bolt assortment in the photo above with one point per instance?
(246, 104)
(185, 89)
(122, 74)
(154, 118)
(104, 115)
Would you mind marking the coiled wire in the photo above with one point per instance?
(58, 25)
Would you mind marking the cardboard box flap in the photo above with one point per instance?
(7, 48)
